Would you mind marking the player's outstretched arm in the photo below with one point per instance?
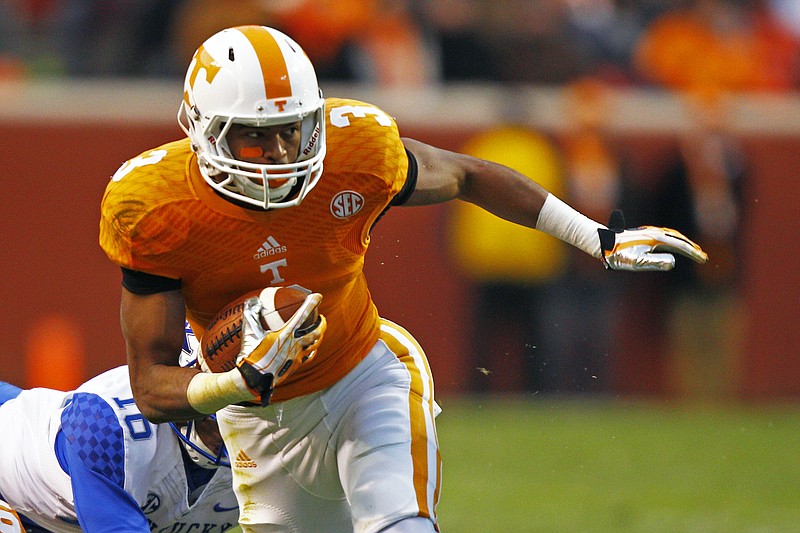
(444, 175)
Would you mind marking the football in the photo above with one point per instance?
(220, 344)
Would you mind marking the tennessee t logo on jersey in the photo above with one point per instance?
(269, 248)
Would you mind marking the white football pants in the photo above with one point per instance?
(356, 457)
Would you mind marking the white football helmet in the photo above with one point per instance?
(255, 76)
(191, 346)
(197, 450)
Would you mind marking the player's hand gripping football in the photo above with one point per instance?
(268, 357)
(644, 248)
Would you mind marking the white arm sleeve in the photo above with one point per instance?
(208, 393)
(563, 222)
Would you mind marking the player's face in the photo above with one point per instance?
(208, 431)
(269, 145)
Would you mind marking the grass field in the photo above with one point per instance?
(598, 466)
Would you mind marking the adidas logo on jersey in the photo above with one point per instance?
(268, 248)
(243, 461)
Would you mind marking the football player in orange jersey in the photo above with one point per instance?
(330, 429)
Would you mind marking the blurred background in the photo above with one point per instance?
(683, 113)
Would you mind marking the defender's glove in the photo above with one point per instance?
(268, 357)
(638, 249)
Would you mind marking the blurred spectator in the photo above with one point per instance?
(115, 37)
(415, 42)
(27, 46)
(726, 45)
(463, 52)
(709, 49)
(197, 20)
(327, 29)
(604, 33)
(379, 42)
(786, 14)
(593, 169)
(543, 42)
(586, 317)
(696, 187)
(15, 39)
(529, 42)
(371, 41)
(394, 49)
(504, 40)
(706, 326)
(514, 271)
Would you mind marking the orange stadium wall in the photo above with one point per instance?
(60, 293)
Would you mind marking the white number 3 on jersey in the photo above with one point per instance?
(340, 120)
(151, 158)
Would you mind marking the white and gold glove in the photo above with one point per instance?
(268, 357)
(644, 248)
(9, 519)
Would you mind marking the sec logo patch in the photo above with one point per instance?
(346, 204)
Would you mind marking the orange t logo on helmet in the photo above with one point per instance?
(203, 61)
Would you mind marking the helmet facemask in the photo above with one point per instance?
(197, 450)
(287, 184)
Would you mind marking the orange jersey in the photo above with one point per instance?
(159, 216)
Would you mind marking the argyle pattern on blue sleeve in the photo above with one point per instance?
(9, 391)
(92, 429)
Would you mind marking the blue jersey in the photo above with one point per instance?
(87, 460)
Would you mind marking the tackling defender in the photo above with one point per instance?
(87, 460)
(244, 202)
